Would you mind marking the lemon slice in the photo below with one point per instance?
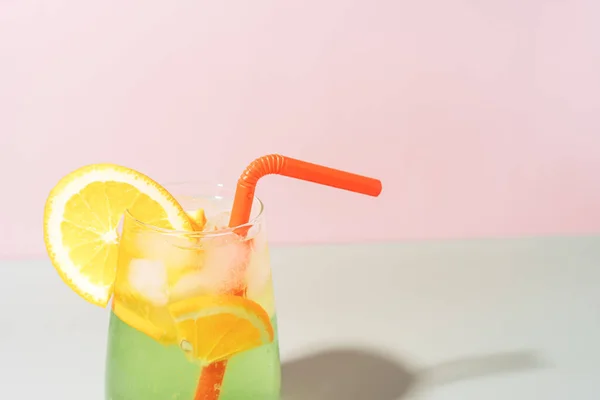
(215, 328)
(82, 215)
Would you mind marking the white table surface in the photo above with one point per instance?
(454, 320)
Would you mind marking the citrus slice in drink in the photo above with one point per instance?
(81, 220)
(139, 322)
(214, 328)
(198, 218)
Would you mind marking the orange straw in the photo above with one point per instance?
(286, 166)
(211, 377)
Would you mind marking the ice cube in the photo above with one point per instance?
(191, 284)
(175, 251)
(225, 260)
(217, 221)
(149, 279)
(258, 271)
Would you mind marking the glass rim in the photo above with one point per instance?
(199, 234)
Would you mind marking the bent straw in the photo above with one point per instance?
(286, 166)
(211, 377)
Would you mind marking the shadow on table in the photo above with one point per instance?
(361, 374)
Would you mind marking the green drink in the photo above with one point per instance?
(163, 372)
(192, 312)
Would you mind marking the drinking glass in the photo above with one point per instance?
(193, 313)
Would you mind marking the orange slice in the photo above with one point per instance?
(138, 322)
(214, 328)
(198, 218)
(81, 219)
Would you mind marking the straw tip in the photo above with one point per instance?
(372, 187)
(378, 188)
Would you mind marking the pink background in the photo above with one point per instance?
(482, 118)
